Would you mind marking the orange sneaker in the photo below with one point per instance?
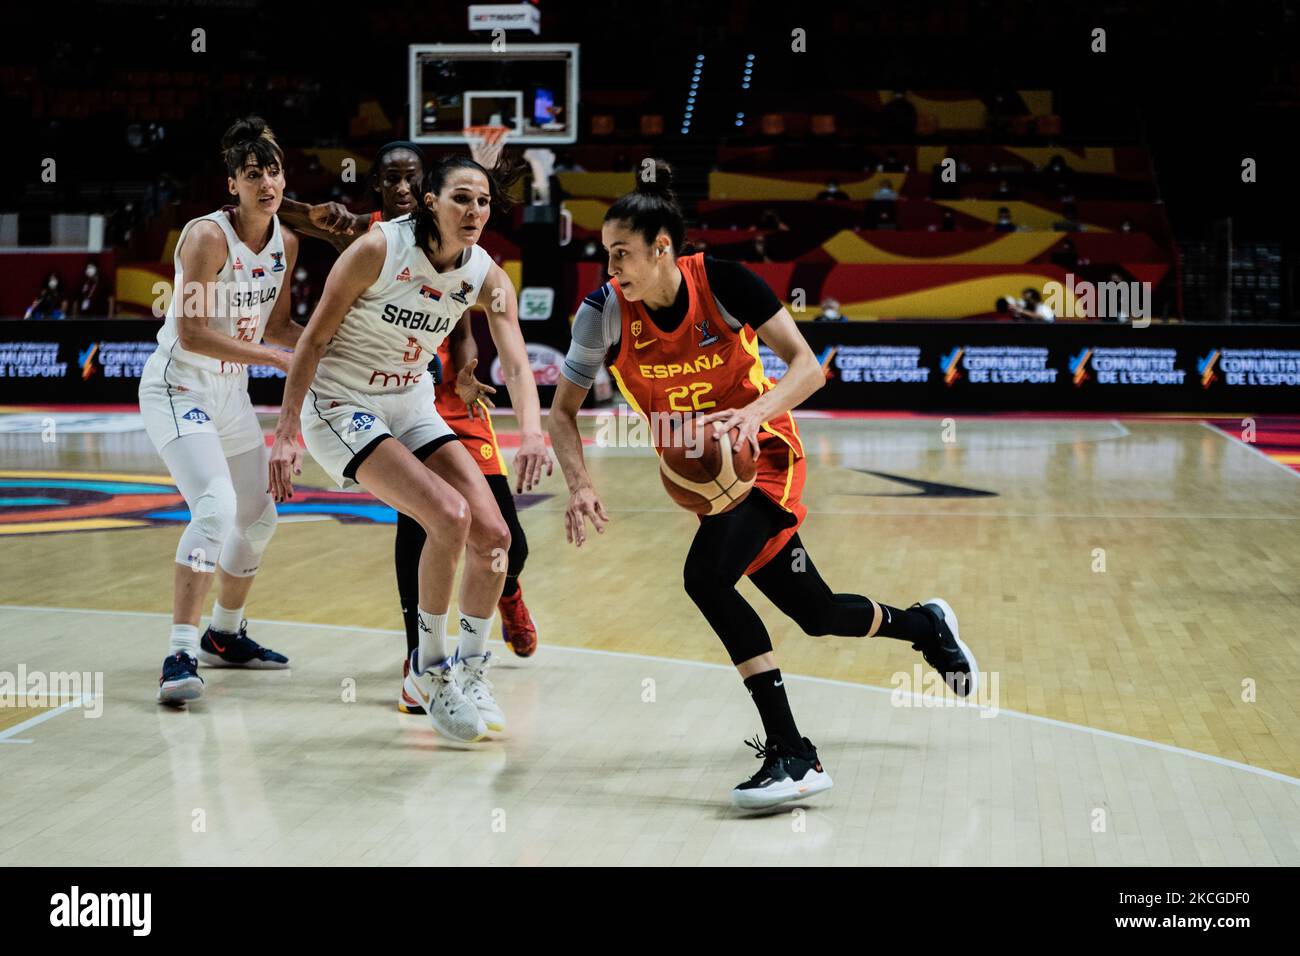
(405, 702)
(518, 629)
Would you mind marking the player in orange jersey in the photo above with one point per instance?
(680, 336)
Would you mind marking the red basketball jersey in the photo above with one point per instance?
(705, 366)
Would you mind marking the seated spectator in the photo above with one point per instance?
(1030, 307)
(1005, 191)
(1069, 221)
(758, 250)
(947, 222)
(49, 302)
(302, 295)
(886, 191)
(892, 164)
(1126, 226)
(830, 311)
(885, 220)
(833, 192)
(898, 117)
(1004, 223)
(92, 299)
(771, 220)
(1066, 256)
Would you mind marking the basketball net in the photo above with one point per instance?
(486, 143)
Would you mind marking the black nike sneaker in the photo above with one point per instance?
(180, 680)
(946, 652)
(221, 649)
(787, 774)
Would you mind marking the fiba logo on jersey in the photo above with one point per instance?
(277, 262)
(702, 327)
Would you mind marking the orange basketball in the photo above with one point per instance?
(703, 470)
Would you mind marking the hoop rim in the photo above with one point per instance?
(489, 134)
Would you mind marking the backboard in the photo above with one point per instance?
(532, 88)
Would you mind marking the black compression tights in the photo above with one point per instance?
(726, 544)
(410, 541)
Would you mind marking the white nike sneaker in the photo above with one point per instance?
(474, 682)
(438, 691)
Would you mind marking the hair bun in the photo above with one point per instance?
(654, 177)
(246, 130)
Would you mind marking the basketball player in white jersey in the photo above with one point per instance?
(229, 296)
(359, 390)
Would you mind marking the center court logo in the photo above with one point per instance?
(77, 909)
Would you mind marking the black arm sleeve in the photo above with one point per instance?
(742, 293)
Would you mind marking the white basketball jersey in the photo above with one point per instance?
(392, 332)
(240, 303)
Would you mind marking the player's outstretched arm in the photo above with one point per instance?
(356, 270)
(498, 297)
(584, 503)
(330, 221)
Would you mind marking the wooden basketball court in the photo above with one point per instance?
(1129, 586)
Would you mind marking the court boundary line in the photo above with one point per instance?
(829, 681)
(1245, 444)
(7, 734)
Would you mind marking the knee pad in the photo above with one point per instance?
(242, 554)
(258, 534)
(212, 514)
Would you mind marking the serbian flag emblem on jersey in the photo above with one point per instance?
(429, 292)
(258, 272)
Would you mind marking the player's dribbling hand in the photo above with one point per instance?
(532, 457)
(472, 391)
(286, 461)
(746, 419)
(583, 504)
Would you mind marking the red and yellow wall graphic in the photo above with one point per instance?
(901, 291)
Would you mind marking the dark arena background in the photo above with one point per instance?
(1046, 257)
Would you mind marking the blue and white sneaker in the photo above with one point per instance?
(221, 649)
(180, 681)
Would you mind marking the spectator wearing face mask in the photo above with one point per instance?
(49, 302)
(1004, 223)
(833, 192)
(830, 311)
(302, 295)
(92, 299)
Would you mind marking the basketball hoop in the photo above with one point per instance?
(486, 143)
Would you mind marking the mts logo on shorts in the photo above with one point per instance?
(103, 909)
(416, 321)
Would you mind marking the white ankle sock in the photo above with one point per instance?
(226, 620)
(433, 639)
(185, 637)
(473, 635)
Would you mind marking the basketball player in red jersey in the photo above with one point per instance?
(680, 335)
(395, 177)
